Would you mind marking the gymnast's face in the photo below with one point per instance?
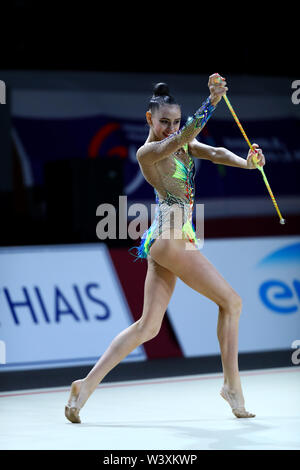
(165, 120)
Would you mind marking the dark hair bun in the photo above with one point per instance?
(161, 96)
(161, 89)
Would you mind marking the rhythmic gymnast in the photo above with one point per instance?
(170, 245)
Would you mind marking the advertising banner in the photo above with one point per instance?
(59, 306)
(63, 305)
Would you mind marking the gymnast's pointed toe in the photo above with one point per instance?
(72, 414)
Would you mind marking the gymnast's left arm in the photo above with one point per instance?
(223, 156)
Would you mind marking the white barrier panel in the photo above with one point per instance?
(265, 272)
(59, 306)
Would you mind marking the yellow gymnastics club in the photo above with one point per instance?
(281, 219)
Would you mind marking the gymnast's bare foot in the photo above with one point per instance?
(78, 396)
(236, 401)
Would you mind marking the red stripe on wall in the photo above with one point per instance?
(132, 277)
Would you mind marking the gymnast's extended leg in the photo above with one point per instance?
(192, 267)
(159, 286)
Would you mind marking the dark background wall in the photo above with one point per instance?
(186, 42)
(166, 37)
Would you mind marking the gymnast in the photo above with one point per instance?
(170, 245)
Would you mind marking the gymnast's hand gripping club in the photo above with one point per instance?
(254, 158)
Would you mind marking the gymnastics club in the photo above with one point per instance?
(254, 158)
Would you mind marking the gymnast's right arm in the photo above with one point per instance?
(153, 152)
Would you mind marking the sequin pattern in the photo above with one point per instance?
(176, 189)
(173, 212)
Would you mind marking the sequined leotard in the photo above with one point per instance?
(175, 189)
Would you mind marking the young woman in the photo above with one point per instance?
(170, 244)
